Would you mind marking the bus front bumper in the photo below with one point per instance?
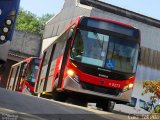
(73, 86)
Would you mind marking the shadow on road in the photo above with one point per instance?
(27, 107)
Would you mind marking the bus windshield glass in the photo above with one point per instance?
(103, 50)
(32, 72)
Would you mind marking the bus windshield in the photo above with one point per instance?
(110, 52)
(32, 72)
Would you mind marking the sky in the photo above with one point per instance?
(41, 7)
(145, 7)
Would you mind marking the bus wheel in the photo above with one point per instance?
(58, 96)
(106, 105)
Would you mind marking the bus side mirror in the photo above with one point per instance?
(70, 33)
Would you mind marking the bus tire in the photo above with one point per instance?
(58, 96)
(106, 105)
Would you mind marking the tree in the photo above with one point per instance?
(29, 22)
(43, 20)
(151, 86)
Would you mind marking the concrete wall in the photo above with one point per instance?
(26, 43)
(67, 14)
(71, 9)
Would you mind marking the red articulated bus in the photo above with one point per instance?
(93, 60)
(22, 75)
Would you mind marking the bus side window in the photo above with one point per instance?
(53, 60)
(24, 71)
(11, 79)
(46, 63)
(16, 77)
(20, 77)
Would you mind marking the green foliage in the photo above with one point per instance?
(151, 86)
(43, 20)
(157, 109)
(29, 22)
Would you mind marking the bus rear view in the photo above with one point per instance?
(23, 75)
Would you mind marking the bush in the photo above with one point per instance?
(157, 109)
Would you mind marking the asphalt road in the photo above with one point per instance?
(15, 106)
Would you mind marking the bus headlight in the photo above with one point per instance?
(72, 74)
(128, 87)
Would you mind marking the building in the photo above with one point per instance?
(23, 45)
(149, 67)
